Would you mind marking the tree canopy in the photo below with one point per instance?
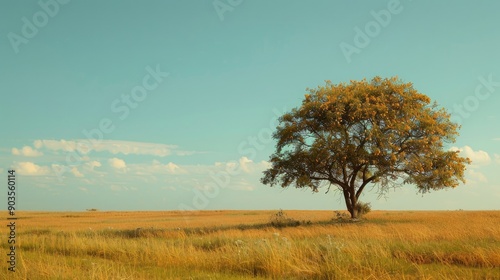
(380, 132)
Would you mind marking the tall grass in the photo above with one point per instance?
(216, 245)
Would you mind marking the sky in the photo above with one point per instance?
(169, 105)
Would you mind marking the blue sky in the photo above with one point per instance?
(166, 105)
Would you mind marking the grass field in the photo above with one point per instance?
(243, 245)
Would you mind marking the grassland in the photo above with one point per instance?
(242, 245)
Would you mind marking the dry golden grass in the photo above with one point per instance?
(239, 245)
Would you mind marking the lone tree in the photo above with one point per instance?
(380, 132)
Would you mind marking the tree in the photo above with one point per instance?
(380, 132)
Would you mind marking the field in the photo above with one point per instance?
(243, 245)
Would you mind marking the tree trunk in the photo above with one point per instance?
(350, 201)
(354, 213)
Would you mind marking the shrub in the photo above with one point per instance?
(280, 219)
(341, 216)
(363, 208)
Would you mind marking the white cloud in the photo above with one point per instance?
(476, 176)
(26, 151)
(158, 167)
(117, 163)
(246, 164)
(75, 172)
(173, 168)
(138, 148)
(187, 153)
(83, 189)
(92, 164)
(38, 144)
(242, 185)
(31, 169)
(477, 157)
(117, 188)
(265, 164)
(497, 158)
(84, 146)
(56, 145)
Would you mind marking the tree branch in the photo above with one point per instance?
(363, 185)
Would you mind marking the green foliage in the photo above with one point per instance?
(380, 132)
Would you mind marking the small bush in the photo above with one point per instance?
(340, 216)
(280, 219)
(363, 208)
